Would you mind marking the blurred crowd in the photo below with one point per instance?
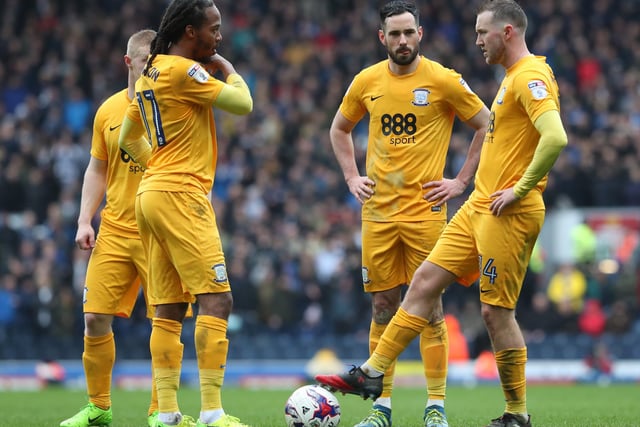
(290, 228)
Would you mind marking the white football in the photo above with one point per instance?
(312, 406)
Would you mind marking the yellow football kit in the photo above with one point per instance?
(177, 224)
(411, 119)
(117, 262)
(498, 248)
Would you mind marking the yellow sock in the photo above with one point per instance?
(375, 332)
(98, 358)
(166, 359)
(511, 364)
(153, 406)
(212, 347)
(434, 348)
(402, 329)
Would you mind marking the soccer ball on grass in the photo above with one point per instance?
(312, 406)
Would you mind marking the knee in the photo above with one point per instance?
(384, 305)
(97, 324)
(494, 316)
(218, 305)
(424, 284)
(485, 312)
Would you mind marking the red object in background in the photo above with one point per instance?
(592, 320)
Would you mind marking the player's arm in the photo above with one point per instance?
(553, 139)
(133, 142)
(342, 143)
(235, 96)
(446, 189)
(94, 186)
(479, 123)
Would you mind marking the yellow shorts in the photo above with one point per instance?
(117, 268)
(182, 244)
(392, 251)
(494, 248)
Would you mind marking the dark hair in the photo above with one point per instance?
(398, 7)
(177, 16)
(505, 11)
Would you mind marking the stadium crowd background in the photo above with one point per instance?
(290, 228)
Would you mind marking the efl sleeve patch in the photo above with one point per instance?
(465, 85)
(538, 89)
(198, 73)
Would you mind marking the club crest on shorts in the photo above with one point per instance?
(220, 272)
(365, 275)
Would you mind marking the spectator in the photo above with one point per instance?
(592, 319)
(567, 288)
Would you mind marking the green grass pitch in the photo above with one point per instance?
(550, 406)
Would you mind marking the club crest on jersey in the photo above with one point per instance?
(365, 275)
(198, 73)
(220, 272)
(420, 97)
(500, 98)
(538, 89)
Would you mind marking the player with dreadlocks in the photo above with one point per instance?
(176, 221)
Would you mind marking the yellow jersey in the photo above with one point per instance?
(174, 102)
(410, 124)
(123, 174)
(528, 89)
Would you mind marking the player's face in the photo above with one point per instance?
(208, 36)
(401, 36)
(489, 38)
(139, 59)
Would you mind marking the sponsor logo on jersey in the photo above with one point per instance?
(420, 97)
(538, 89)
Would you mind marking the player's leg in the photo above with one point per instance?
(366, 380)
(383, 275)
(420, 307)
(165, 292)
(139, 258)
(419, 239)
(200, 262)
(110, 276)
(504, 260)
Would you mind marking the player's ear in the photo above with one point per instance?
(381, 36)
(127, 60)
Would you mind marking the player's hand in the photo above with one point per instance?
(218, 63)
(443, 190)
(85, 237)
(361, 187)
(502, 199)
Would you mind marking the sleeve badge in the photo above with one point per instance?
(538, 89)
(198, 73)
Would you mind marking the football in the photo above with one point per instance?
(312, 406)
